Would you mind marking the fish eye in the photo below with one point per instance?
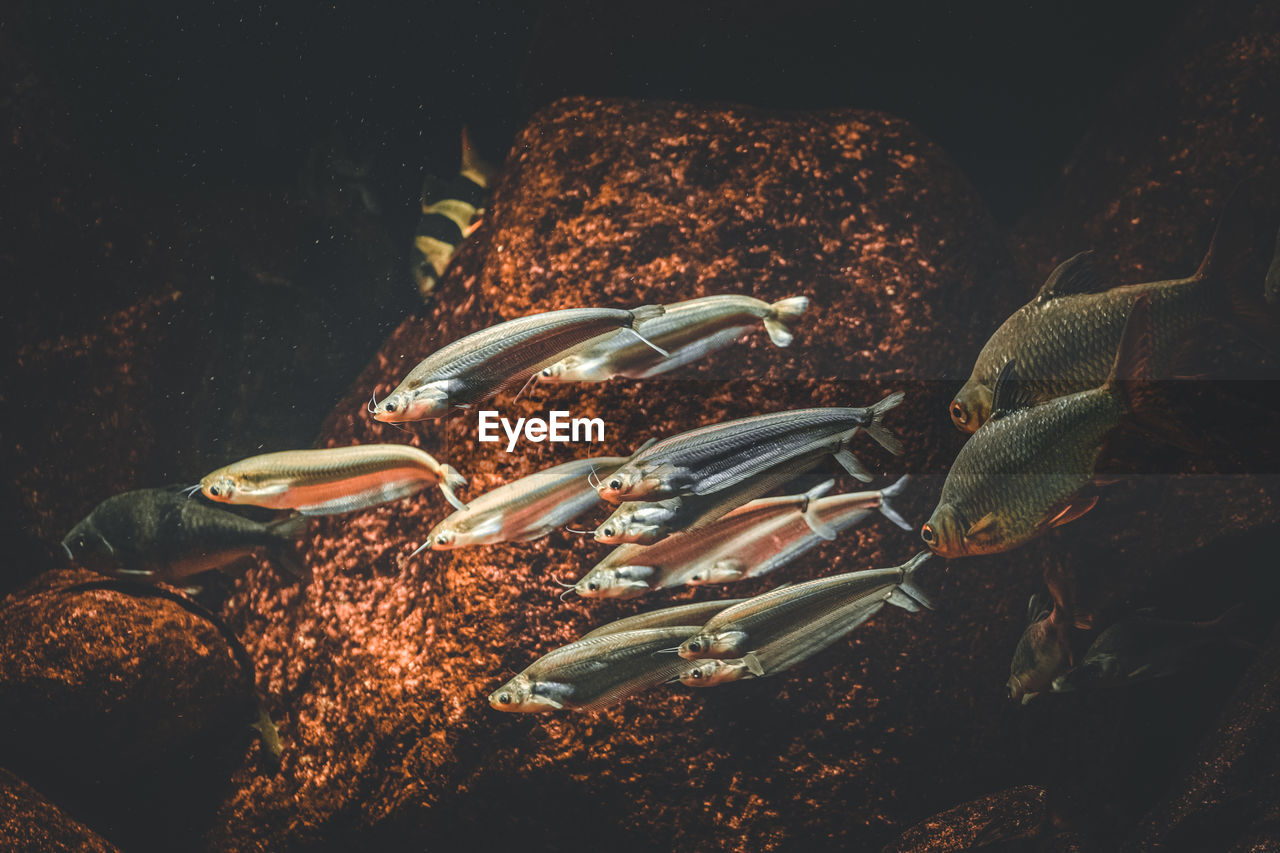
(593, 586)
(697, 673)
(215, 490)
(695, 646)
(927, 534)
(958, 412)
(442, 538)
(504, 698)
(615, 483)
(608, 531)
(391, 407)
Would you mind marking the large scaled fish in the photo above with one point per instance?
(1064, 339)
(711, 458)
(498, 359)
(526, 509)
(749, 542)
(1142, 646)
(451, 210)
(1043, 651)
(688, 330)
(594, 673)
(163, 535)
(1022, 472)
(332, 480)
(759, 621)
(801, 641)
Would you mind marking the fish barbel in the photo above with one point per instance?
(1022, 472)
(688, 330)
(332, 480)
(1065, 338)
(716, 457)
(498, 359)
(758, 621)
(595, 672)
(526, 509)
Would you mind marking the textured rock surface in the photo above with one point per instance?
(383, 663)
(31, 824)
(112, 700)
(1005, 816)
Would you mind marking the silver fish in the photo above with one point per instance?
(749, 542)
(688, 330)
(498, 359)
(800, 642)
(759, 621)
(716, 457)
(594, 673)
(526, 509)
(682, 614)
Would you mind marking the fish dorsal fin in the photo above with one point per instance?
(983, 527)
(1077, 274)
(1009, 395)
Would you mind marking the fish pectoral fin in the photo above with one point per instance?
(753, 664)
(818, 526)
(1009, 394)
(1072, 511)
(1077, 274)
(850, 463)
(728, 567)
(539, 699)
(983, 528)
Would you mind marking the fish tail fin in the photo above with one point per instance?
(907, 587)
(1233, 626)
(780, 314)
(875, 427)
(891, 493)
(753, 664)
(1233, 270)
(474, 167)
(851, 464)
(288, 527)
(450, 481)
(1132, 379)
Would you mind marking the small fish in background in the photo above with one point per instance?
(332, 480)
(526, 509)
(1142, 646)
(1043, 651)
(497, 359)
(594, 673)
(451, 210)
(802, 640)
(688, 330)
(1022, 473)
(337, 176)
(761, 620)
(166, 535)
(716, 457)
(749, 542)
(1064, 339)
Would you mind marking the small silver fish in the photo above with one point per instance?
(801, 641)
(706, 460)
(688, 330)
(332, 480)
(682, 614)
(526, 509)
(749, 542)
(498, 359)
(595, 672)
(761, 620)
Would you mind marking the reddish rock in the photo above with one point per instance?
(1005, 816)
(112, 699)
(384, 662)
(31, 824)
